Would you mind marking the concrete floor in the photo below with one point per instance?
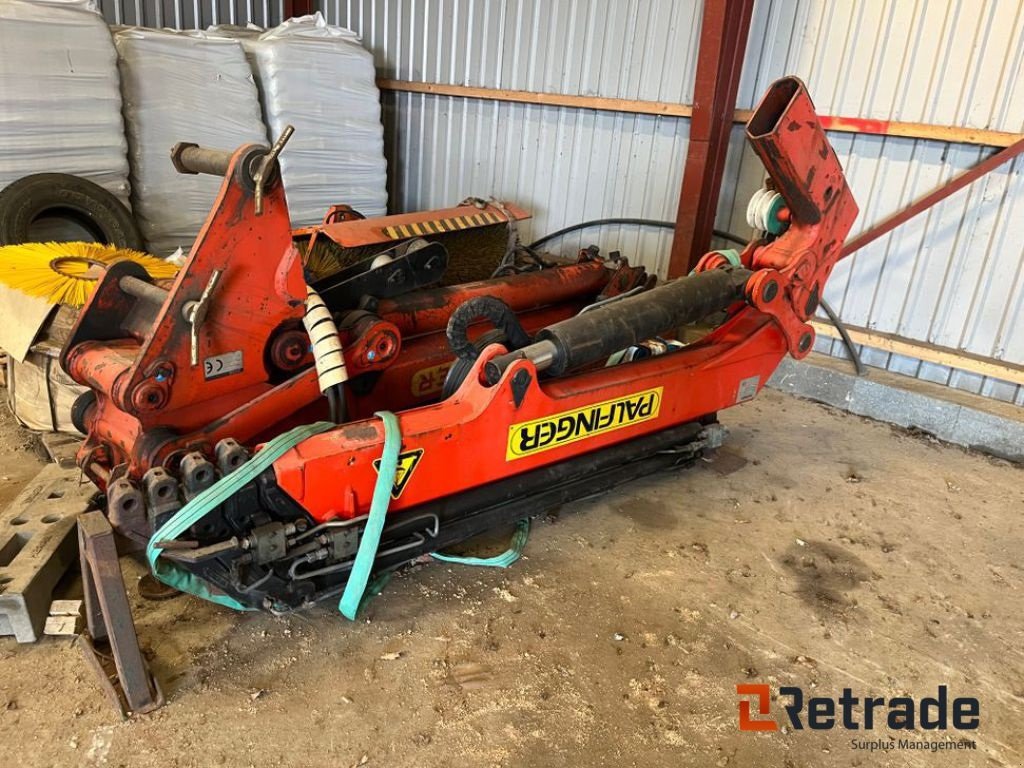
(818, 549)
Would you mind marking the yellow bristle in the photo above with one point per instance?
(29, 268)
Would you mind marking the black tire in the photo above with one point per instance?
(80, 416)
(63, 196)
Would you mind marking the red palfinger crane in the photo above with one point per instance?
(497, 398)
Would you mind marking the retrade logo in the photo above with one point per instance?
(762, 694)
(853, 713)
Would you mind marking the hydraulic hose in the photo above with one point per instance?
(658, 223)
(858, 364)
(327, 353)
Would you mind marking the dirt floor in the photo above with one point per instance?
(818, 550)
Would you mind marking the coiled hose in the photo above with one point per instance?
(327, 353)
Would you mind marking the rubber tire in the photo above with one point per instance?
(69, 197)
(80, 411)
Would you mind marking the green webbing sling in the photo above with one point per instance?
(504, 560)
(356, 589)
(174, 575)
(352, 598)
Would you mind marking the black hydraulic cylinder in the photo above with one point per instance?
(595, 334)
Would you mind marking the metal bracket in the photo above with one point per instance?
(512, 240)
(768, 291)
(110, 645)
(401, 269)
(265, 169)
(195, 314)
(520, 383)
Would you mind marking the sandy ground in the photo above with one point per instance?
(817, 550)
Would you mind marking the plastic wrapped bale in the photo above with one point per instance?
(194, 87)
(60, 105)
(318, 78)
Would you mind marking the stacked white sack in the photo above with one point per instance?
(318, 78)
(60, 106)
(177, 86)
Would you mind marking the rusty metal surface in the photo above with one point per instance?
(951, 187)
(931, 280)
(167, 375)
(356, 232)
(429, 310)
(111, 646)
(723, 43)
(786, 134)
(945, 277)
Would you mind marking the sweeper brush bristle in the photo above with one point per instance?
(65, 273)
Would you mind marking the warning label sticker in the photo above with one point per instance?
(532, 437)
(407, 463)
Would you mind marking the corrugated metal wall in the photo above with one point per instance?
(953, 276)
(192, 14)
(564, 165)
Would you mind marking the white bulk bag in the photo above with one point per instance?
(60, 106)
(181, 86)
(318, 78)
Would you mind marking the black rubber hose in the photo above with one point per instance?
(332, 405)
(495, 311)
(461, 367)
(858, 364)
(336, 403)
(729, 236)
(634, 221)
(342, 403)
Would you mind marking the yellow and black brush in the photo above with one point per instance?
(65, 273)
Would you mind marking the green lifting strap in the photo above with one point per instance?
(504, 560)
(729, 254)
(174, 575)
(355, 588)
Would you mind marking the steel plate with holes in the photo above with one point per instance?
(37, 544)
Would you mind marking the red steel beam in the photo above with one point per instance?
(291, 8)
(723, 43)
(951, 187)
